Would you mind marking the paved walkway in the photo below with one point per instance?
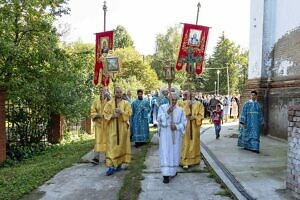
(190, 185)
(249, 175)
(85, 181)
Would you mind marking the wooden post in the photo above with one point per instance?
(86, 125)
(189, 76)
(56, 129)
(116, 106)
(172, 118)
(117, 121)
(191, 111)
(2, 126)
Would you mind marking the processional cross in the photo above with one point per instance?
(190, 61)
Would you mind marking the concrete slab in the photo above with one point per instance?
(80, 182)
(262, 175)
(188, 184)
(155, 139)
(153, 166)
(88, 157)
(191, 186)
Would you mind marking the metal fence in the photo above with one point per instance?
(25, 124)
(71, 126)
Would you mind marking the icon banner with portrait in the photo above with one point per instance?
(112, 64)
(104, 43)
(194, 40)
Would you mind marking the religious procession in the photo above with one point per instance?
(177, 114)
(155, 105)
(121, 120)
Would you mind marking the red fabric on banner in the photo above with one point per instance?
(104, 43)
(97, 68)
(194, 38)
(105, 80)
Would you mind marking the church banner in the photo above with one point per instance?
(104, 43)
(192, 48)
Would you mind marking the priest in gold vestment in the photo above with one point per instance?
(100, 124)
(190, 150)
(118, 148)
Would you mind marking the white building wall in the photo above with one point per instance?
(256, 39)
(287, 20)
(268, 36)
(287, 17)
(270, 21)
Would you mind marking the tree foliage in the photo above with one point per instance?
(121, 38)
(79, 86)
(34, 67)
(135, 65)
(167, 47)
(243, 70)
(230, 61)
(28, 42)
(41, 76)
(166, 53)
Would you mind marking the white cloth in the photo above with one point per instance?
(170, 153)
(226, 107)
(154, 115)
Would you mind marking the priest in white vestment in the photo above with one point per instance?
(171, 127)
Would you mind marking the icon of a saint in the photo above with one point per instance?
(104, 46)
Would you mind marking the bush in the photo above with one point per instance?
(18, 152)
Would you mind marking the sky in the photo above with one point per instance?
(145, 19)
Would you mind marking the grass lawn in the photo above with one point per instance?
(131, 187)
(21, 178)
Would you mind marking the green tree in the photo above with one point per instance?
(167, 47)
(128, 84)
(166, 53)
(121, 38)
(28, 39)
(40, 76)
(134, 65)
(80, 89)
(243, 71)
(31, 59)
(226, 58)
(34, 68)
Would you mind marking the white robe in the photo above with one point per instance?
(169, 152)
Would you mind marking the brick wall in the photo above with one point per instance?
(286, 55)
(2, 126)
(275, 97)
(260, 86)
(293, 171)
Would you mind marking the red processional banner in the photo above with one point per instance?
(192, 48)
(104, 43)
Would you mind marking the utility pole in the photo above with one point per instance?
(198, 9)
(218, 85)
(227, 81)
(104, 10)
(215, 88)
